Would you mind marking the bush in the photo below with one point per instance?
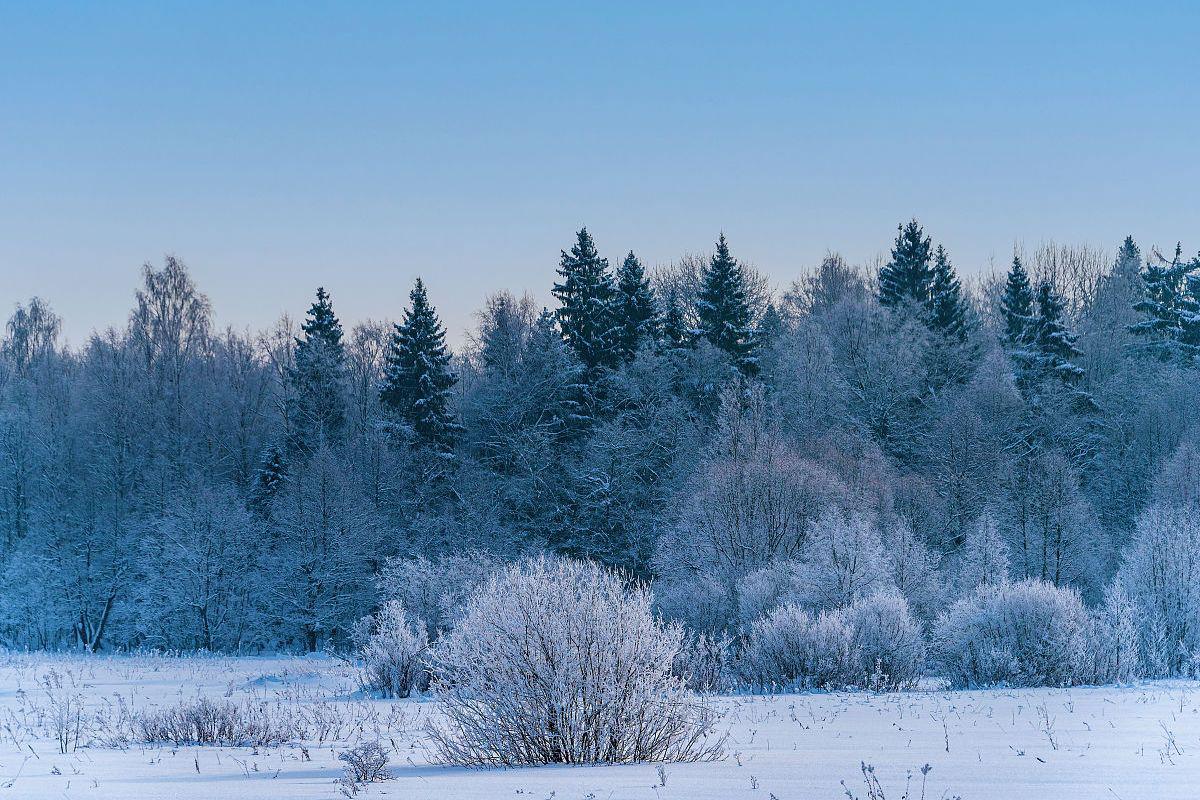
(703, 662)
(392, 651)
(1114, 639)
(228, 724)
(436, 590)
(1015, 634)
(872, 644)
(365, 763)
(558, 662)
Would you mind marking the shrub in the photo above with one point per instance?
(436, 590)
(1114, 639)
(229, 724)
(392, 651)
(703, 662)
(872, 644)
(559, 662)
(365, 763)
(1016, 634)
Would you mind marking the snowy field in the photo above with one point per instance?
(1132, 742)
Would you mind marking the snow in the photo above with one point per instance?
(1139, 741)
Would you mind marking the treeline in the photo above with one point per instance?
(172, 485)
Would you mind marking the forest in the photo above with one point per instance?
(757, 457)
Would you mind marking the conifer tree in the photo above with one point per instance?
(724, 309)
(1016, 306)
(1129, 260)
(674, 331)
(946, 310)
(1052, 342)
(417, 377)
(587, 315)
(272, 472)
(1170, 308)
(317, 405)
(637, 313)
(907, 277)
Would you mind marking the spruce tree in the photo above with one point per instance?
(945, 308)
(1016, 306)
(674, 333)
(637, 313)
(1052, 342)
(724, 309)
(272, 472)
(1170, 308)
(417, 377)
(317, 402)
(907, 277)
(587, 316)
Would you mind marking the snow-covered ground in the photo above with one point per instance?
(1126, 743)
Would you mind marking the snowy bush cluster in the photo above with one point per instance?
(873, 476)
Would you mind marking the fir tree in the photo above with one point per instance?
(417, 377)
(907, 277)
(724, 310)
(1052, 342)
(317, 405)
(272, 472)
(587, 316)
(1129, 260)
(674, 331)
(636, 310)
(1170, 308)
(946, 310)
(1016, 306)
(770, 326)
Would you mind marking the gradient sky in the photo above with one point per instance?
(357, 145)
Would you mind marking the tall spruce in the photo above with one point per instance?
(724, 309)
(317, 400)
(907, 277)
(1170, 308)
(587, 314)
(1016, 306)
(673, 332)
(636, 310)
(946, 309)
(1052, 342)
(417, 377)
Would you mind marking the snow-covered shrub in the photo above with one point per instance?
(703, 661)
(436, 590)
(1161, 574)
(558, 661)
(843, 560)
(1029, 633)
(392, 651)
(698, 602)
(1114, 641)
(765, 589)
(793, 648)
(366, 762)
(223, 723)
(872, 644)
(887, 650)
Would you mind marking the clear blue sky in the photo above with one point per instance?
(357, 145)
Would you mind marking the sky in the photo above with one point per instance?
(275, 147)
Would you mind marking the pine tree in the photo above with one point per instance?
(1016, 306)
(907, 277)
(637, 313)
(272, 472)
(1129, 260)
(417, 377)
(317, 406)
(587, 316)
(674, 331)
(945, 308)
(1052, 342)
(1170, 308)
(724, 310)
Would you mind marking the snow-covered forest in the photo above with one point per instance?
(875, 473)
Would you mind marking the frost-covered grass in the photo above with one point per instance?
(1140, 741)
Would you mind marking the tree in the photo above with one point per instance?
(1016, 306)
(946, 309)
(1052, 342)
(725, 316)
(587, 314)
(417, 377)
(907, 277)
(317, 404)
(1170, 308)
(637, 313)
(674, 332)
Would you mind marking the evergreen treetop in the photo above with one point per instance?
(907, 277)
(724, 309)
(946, 309)
(637, 312)
(1051, 339)
(317, 403)
(587, 315)
(1016, 305)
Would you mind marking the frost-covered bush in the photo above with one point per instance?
(843, 560)
(1161, 574)
(223, 723)
(704, 661)
(366, 762)
(560, 662)
(1029, 633)
(887, 650)
(872, 644)
(392, 650)
(793, 648)
(1114, 641)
